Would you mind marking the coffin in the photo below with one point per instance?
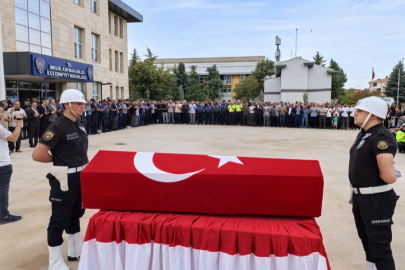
(214, 185)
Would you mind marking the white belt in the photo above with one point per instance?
(76, 169)
(372, 190)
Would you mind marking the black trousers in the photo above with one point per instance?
(224, 117)
(33, 134)
(66, 208)
(104, 119)
(401, 147)
(258, 119)
(246, 119)
(184, 118)
(312, 122)
(238, 118)
(373, 217)
(328, 122)
(17, 143)
(43, 125)
(289, 120)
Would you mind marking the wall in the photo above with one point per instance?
(295, 75)
(7, 13)
(272, 86)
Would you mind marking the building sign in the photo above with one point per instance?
(57, 68)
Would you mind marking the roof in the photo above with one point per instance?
(210, 59)
(125, 11)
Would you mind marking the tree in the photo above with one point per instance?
(134, 58)
(261, 96)
(248, 89)
(319, 59)
(214, 85)
(264, 68)
(150, 56)
(305, 97)
(181, 93)
(182, 77)
(391, 88)
(195, 89)
(338, 80)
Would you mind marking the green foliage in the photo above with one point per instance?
(338, 80)
(134, 58)
(264, 68)
(181, 93)
(248, 89)
(195, 90)
(144, 75)
(214, 86)
(261, 96)
(150, 56)
(391, 88)
(319, 59)
(355, 96)
(305, 97)
(346, 93)
(181, 76)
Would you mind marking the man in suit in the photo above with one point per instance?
(94, 116)
(33, 117)
(259, 114)
(298, 109)
(60, 109)
(43, 114)
(53, 111)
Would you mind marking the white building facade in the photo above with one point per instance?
(296, 76)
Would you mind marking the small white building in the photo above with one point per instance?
(296, 76)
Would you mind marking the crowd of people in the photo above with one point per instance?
(114, 114)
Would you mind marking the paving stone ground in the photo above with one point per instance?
(23, 244)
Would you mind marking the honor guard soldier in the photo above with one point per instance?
(371, 173)
(66, 139)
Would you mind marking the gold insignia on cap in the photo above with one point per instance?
(48, 135)
(382, 145)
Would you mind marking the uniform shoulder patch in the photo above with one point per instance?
(382, 145)
(48, 135)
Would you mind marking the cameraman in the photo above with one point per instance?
(5, 166)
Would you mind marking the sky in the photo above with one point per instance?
(358, 35)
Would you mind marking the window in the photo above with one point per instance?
(227, 79)
(79, 86)
(116, 61)
(94, 47)
(227, 90)
(110, 60)
(120, 27)
(78, 2)
(117, 89)
(115, 26)
(242, 77)
(109, 23)
(78, 42)
(122, 92)
(121, 62)
(33, 26)
(95, 90)
(202, 79)
(93, 6)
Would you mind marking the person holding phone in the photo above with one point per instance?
(6, 169)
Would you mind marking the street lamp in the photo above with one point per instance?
(399, 78)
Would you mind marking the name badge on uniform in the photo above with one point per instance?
(363, 140)
(82, 128)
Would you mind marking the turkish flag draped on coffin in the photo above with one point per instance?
(215, 185)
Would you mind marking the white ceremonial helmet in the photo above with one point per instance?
(372, 105)
(72, 95)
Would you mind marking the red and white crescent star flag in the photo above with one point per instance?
(158, 241)
(373, 75)
(217, 185)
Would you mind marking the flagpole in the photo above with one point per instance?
(2, 83)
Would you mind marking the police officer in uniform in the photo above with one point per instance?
(371, 173)
(66, 138)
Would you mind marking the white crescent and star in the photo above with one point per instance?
(143, 162)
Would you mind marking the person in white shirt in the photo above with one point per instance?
(345, 116)
(14, 111)
(191, 111)
(351, 117)
(6, 169)
(252, 109)
(329, 111)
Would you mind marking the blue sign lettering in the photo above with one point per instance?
(57, 68)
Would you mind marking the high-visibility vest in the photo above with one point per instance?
(231, 108)
(239, 107)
